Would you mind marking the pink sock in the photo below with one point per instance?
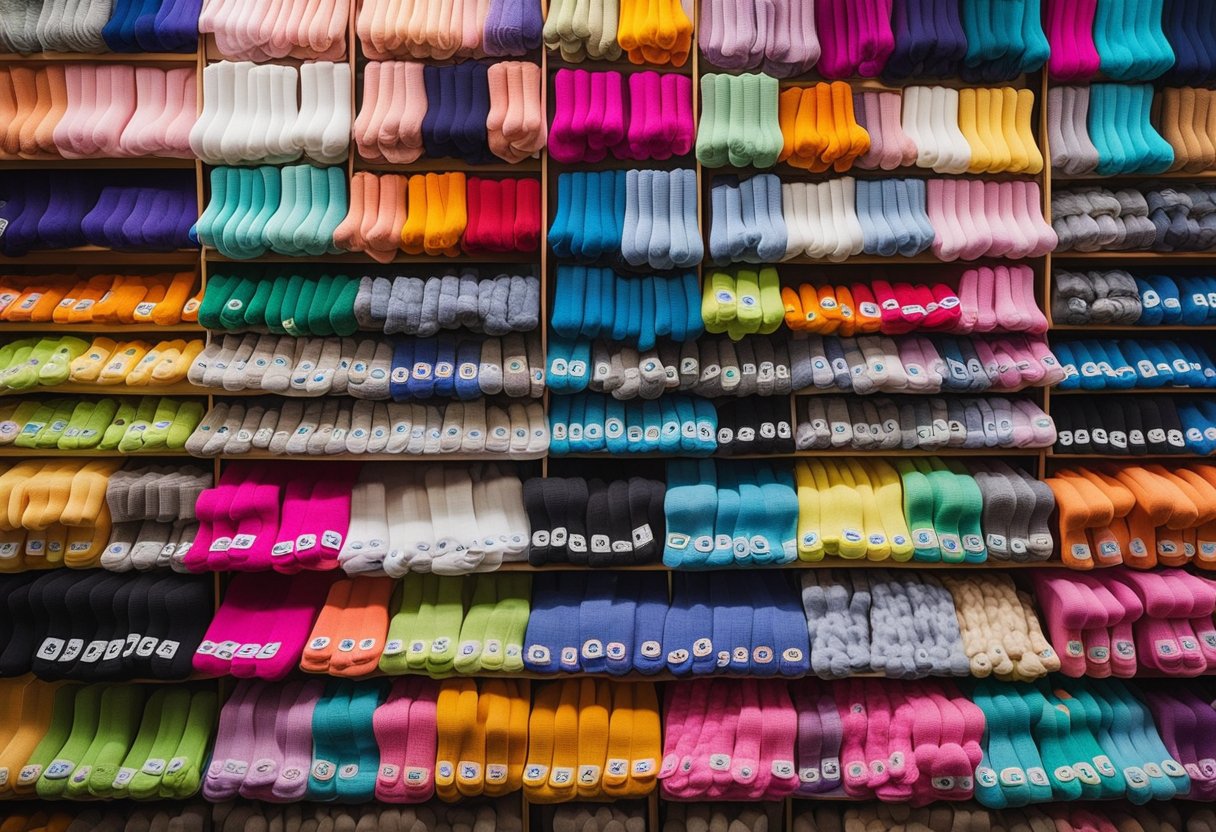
(973, 212)
(1068, 612)
(121, 106)
(969, 307)
(745, 762)
(713, 745)
(945, 309)
(293, 728)
(292, 520)
(95, 99)
(998, 210)
(242, 602)
(723, 783)
(391, 725)
(75, 110)
(851, 705)
(1053, 373)
(684, 712)
(778, 775)
(677, 108)
(1024, 296)
(1028, 201)
(286, 628)
(233, 742)
(1123, 645)
(645, 96)
(151, 94)
(265, 754)
(215, 525)
(419, 765)
(948, 240)
(255, 512)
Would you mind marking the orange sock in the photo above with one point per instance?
(1074, 519)
(326, 630)
(57, 96)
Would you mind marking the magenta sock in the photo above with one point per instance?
(216, 529)
(286, 628)
(324, 527)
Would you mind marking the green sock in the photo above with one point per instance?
(184, 774)
(971, 535)
(949, 502)
(232, 315)
(298, 323)
(117, 723)
(255, 309)
(719, 304)
(707, 153)
(402, 626)
(278, 314)
(58, 367)
(332, 739)
(474, 631)
(19, 414)
(189, 414)
(423, 631)
(447, 615)
(117, 786)
(132, 440)
(166, 732)
(918, 509)
(744, 119)
(504, 644)
(214, 299)
(48, 437)
(9, 351)
(156, 436)
(113, 430)
(23, 376)
(772, 308)
(1051, 731)
(318, 312)
(342, 306)
(19, 357)
(33, 424)
(55, 737)
(748, 317)
(86, 709)
(770, 141)
(719, 128)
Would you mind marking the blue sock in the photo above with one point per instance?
(690, 506)
(670, 430)
(732, 620)
(331, 739)
(615, 429)
(618, 625)
(597, 608)
(707, 425)
(791, 640)
(781, 499)
(688, 630)
(548, 641)
(726, 518)
(649, 623)
(356, 780)
(467, 380)
(403, 366)
(594, 415)
(646, 318)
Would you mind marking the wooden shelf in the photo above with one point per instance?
(23, 327)
(179, 58)
(1124, 178)
(1179, 258)
(76, 389)
(829, 562)
(406, 458)
(1140, 391)
(123, 163)
(359, 258)
(1145, 330)
(95, 255)
(813, 454)
(427, 165)
(56, 453)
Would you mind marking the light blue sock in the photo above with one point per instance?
(690, 506)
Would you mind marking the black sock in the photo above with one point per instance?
(61, 644)
(186, 603)
(538, 520)
(620, 524)
(598, 531)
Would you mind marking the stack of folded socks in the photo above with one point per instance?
(879, 114)
(652, 32)
(485, 731)
(440, 625)
(344, 426)
(496, 28)
(57, 515)
(112, 741)
(263, 30)
(974, 218)
(593, 739)
(893, 219)
(746, 220)
(105, 26)
(83, 111)
(929, 40)
(58, 210)
(487, 303)
(348, 635)
(1119, 622)
(100, 627)
(293, 210)
(31, 363)
(1185, 720)
(590, 118)
(841, 423)
(729, 513)
(1135, 426)
(1132, 363)
(504, 216)
(1153, 218)
(447, 366)
(250, 114)
(130, 425)
(818, 740)
(1186, 119)
(582, 29)
(739, 122)
(594, 302)
(859, 623)
(855, 38)
(987, 299)
(116, 300)
(819, 220)
(1001, 633)
(152, 514)
(244, 613)
(935, 118)
(778, 37)
(594, 523)
(960, 817)
(742, 302)
(754, 426)
(1138, 516)
(821, 128)
(747, 624)
(1070, 741)
(1105, 129)
(708, 367)
(589, 423)
(1121, 41)
(920, 364)
(1116, 297)
(729, 740)
(585, 816)
(408, 109)
(645, 218)
(1188, 299)
(851, 509)
(450, 520)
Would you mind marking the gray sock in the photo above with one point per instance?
(319, 441)
(242, 441)
(337, 436)
(652, 374)
(631, 373)
(466, 300)
(749, 367)
(360, 427)
(492, 304)
(290, 414)
(669, 355)
(218, 443)
(265, 429)
(710, 384)
(1000, 502)
(207, 428)
(399, 428)
(449, 295)
(498, 431)
(536, 365)
(310, 419)
(346, 356)
(489, 370)
(689, 366)
(523, 303)
(377, 441)
(515, 377)
(840, 423)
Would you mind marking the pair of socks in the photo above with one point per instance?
(86, 111)
(498, 28)
(591, 423)
(972, 219)
(855, 38)
(593, 116)
(1130, 42)
(1004, 142)
(265, 31)
(887, 424)
(273, 128)
(293, 211)
(621, 307)
(820, 218)
(929, 40)
(659, 33)
(820, 128)
(739, 121)
(590, 522)
(880, 115)
(1001, 634)
(779, 39)
(1166, 300)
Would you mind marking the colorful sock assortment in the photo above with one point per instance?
(1130, 363)
(111, 25)
(112, 299)
(739, 121)
(858, 623)
(81, 111)
(631, 309)
(1119, 622)
(1184, 117)
(447, 366)
(101, 627)
(56, 209)
(820, 127)
(1123, 41)
(497, 28)
(109, 741)
(590, 118)
(594, 523)
(646, 218)
(264, 30)
(250, 114)
(152, 518)
(129, 425)
(1137, 516)
(987, 299)
(439, 214)
(1135, 426)
(450, 520)
(408, 109)
(839, 423)
(1106, 129)
(293, 210)
(778, 38)
(1148, 219)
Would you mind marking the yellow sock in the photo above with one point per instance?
(122, 361)
(968, 124)
(628, 25)
(878, 545)
(1024, 109)
(1002, 154)
(810, 541)
(541, 724)
(617, 760)
(594, 702)
(175, 363)
(646, 745)
(517, 750)
(452, 719)
(86, 368)
(45, 498)
(841, 515)
(889, 495)
(719, 303)
(37, 706)
(413, 233)
(141, 373)
(87, 496)
(494, 711)
(471, 761)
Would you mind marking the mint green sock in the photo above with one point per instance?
(918, 509)
(402, 626)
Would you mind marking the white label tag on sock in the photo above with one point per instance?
(124, 777)
(50, 649)
(156, 765)
(269, 650)
(324, 770)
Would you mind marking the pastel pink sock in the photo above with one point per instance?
(723, 783)
(419, 766)
(233, 742)
(293, 729)
(76, 104)
(121, 106)
(1053, 373)
(953, 762)
(1123, 644)
(712, 743)
(1028, 199)
(1068, 613)
(265, 755)
(973, 213)
(941, 204)
(778, 775)
(745, 762)
(391, 725)
(401, 141)
(151, 94)
(998, 209)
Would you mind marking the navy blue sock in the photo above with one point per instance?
(649, 626)
(549, 641)
(177, 25)
(144, 27)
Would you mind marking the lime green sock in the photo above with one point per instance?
(19, 358)
(772, 308)
(474, 631)
(20, 415)
(26, 375)
(117, 723)
(88, 433)
(49, 436)
(113, 432)
(34, 423)
(402, 626)
(156, 436)
(719, 303)
(184, 774)
(139, 751)
(423, 631)
(86, 709)
(58, 367)
(166, 731)
(509, 623)
(187, 418)
(748, 317)
(447, 615)
(52, 741)
(132, 439)
(9, 351)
